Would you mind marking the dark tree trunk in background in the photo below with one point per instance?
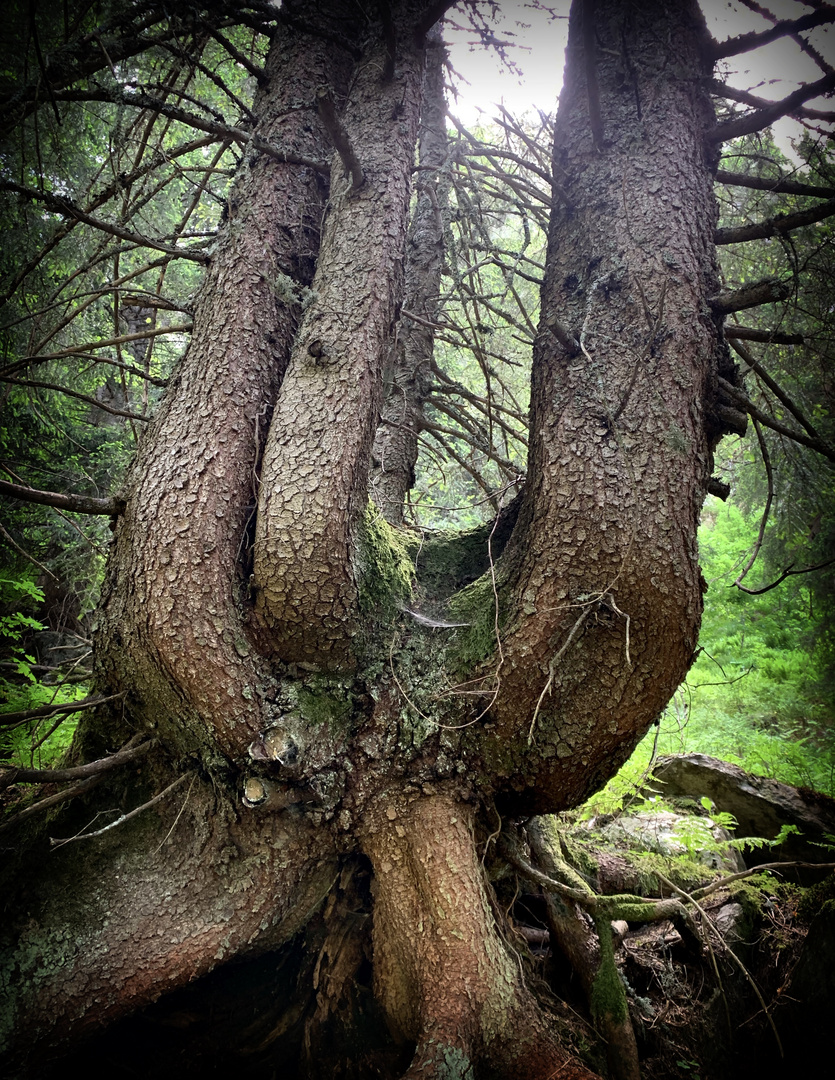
(252, 612)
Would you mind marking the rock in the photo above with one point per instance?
(761, 806)
(675, 834)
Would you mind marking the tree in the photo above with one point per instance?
(324, 691)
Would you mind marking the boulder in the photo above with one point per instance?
(761, 806)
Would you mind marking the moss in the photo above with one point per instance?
(608, 996)
(476, 605)
(326, 704)
(384, 566)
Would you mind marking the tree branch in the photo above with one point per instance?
(342, 144)
(774, 387)
(745, 403)
(744, 97)
(761, 118)
(76, 504)
(68, 209)
(767, 291)
(79, 772)
(782, 186)
(81, 397)
(734, 332)
(10, 718)
(754, 40)
(89, 346)
(776, 226)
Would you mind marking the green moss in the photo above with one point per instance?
(608, 996)
(384, 566)
(476, 605)
(329, 705)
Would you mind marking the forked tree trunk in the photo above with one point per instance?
(367, 730)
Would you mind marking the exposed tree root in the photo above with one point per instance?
(442, 973)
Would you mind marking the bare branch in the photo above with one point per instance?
(76, 504)
(51, 800)
(744, 403)
(79, 772)
(68, 209)
(767, 291)
(762, 118)
(10, 718)
(788, 572)
(25, 554)
(342, 144)
(754, 40)
(54, 842)
(745, 97)
(81, 397)
(782, 186)
(776, 226)
(774, 387)
(89, 346)
(734, 332)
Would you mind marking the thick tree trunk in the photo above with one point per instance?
(356, 738)
(171, 629)
(601, 594)
(309, 557)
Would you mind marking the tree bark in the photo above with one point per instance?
(600, 593)
(395, 450)
(171, 626)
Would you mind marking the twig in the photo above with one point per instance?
(54, 842)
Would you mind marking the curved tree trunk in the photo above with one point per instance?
(349, 724)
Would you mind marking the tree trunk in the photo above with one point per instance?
(295, 671)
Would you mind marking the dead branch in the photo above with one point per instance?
(746, 405)
(81, 397)
(90, 346)
(76, 504)
(774, 387)
(767, 291)
(68, 209)
(342, 143)
(781, 186)
(754, 40)
(776, 226)
(80, 772)
(51, 800)
(13, 544)
(762, 118)
(735, 332)
(45, 711)
(55, 842)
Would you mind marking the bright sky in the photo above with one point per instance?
(770, 72)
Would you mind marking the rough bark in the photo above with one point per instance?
(601, 594)
(171, 627)
(308, 558)
(121, 919)
(395, 450)
(442, 973)
(596, 598)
